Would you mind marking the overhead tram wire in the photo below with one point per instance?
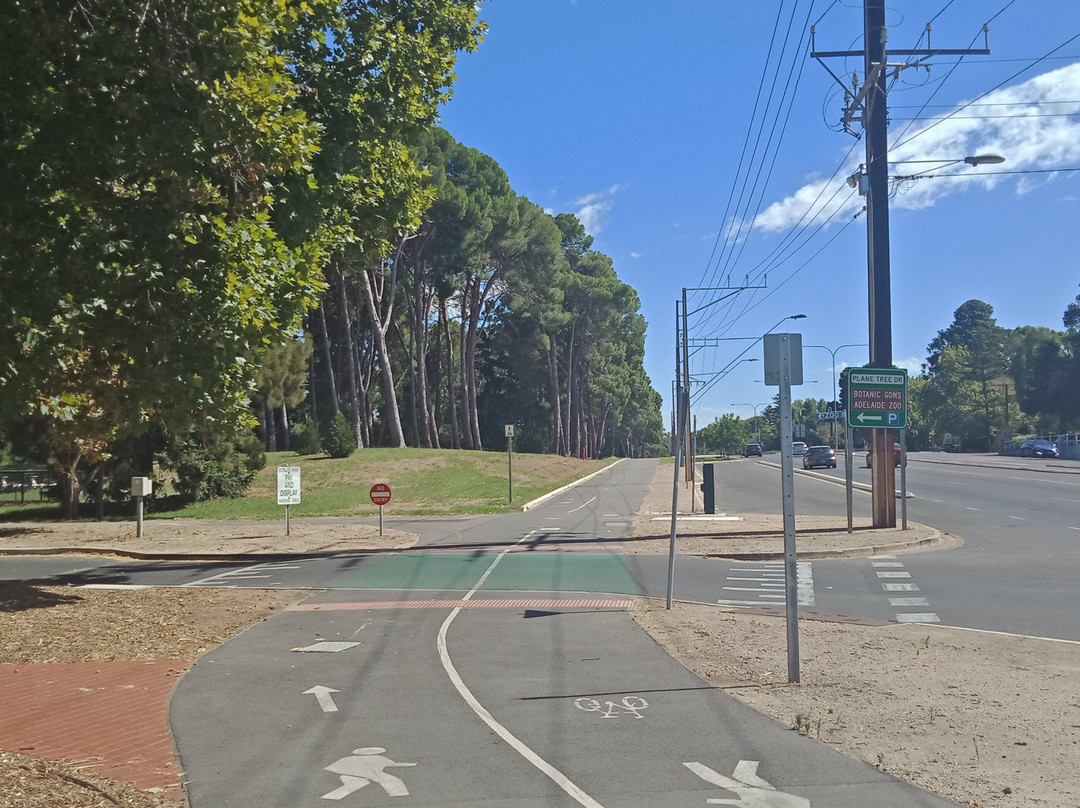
(752, 301)
(705, 279)
(772, 145)
(763, 186)
(746, 165)
(789, 242)
(996, 87)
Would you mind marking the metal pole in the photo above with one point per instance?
(380, 519)
(903, 479)
(138, 515)
(675, 498)
(791, 569)
(510, 465)
(288, 526)
(849, 459)
(688, 448)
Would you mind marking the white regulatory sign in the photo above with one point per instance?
(288, 485)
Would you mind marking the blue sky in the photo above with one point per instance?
(698, 143)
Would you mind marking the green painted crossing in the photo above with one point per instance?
(548, 572)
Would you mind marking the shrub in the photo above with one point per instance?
(339, 440)
(305, 439)
(217, 468)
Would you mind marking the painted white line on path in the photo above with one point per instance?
(968, 507)
(899, 588)
(1073, 528)
(1062, 499)
(1018, 518)
(556, 776)
(894, 575)
(582, 505)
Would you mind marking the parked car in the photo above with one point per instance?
(752, 449)
(816, 456)
(1036, 447)
(898, 455)
(798, 448)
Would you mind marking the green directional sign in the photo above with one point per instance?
(877, 398)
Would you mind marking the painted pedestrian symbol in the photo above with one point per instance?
(753, 791)
(366, 765)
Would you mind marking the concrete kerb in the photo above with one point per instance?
(544, 498)
(936, 541)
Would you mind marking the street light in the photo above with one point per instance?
(860, 179)
(832, 353)
(757, 423)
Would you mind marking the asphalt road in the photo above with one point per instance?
(438, 679)
(1017, 568)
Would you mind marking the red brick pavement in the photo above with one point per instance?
(106, 716)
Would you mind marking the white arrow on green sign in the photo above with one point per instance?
(877, 397)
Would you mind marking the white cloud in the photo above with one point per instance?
(1016, 131)
(912, 365)
(594, 207)
(635, 254)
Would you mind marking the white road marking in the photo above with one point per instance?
(1062, 499)
(582, 505)
(1073, 528)
(971, 509)
(894, 575)
(908, 602)
(556, 776)
(753, 791)
(323, 697)
(882, 564)
(1018, 518)
(900, 587)
(327, 647)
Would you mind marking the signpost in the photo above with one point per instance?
(509, 429)
(831, 415)
(288, 490)
(380, 495)
(877, 397)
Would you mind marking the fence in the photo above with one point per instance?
(14, 483)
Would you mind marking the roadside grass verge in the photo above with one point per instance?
(425, 482)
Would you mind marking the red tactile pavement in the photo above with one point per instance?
(106, 716)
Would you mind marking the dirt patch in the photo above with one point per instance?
(206, 537)
(981, 718)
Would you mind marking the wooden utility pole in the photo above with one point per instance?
(868, 104)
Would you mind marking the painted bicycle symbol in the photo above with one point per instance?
(610, 709)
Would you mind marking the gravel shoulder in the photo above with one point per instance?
(983, 719)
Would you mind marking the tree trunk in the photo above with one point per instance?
(555, 398)
(67, 461)
(269, 428)
(351, 353)
(328, 359)
(391, 413)
(286, 438)
(451, 393)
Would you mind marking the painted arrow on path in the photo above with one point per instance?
(753, 791)
(322, 695)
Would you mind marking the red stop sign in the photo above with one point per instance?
(380, 493)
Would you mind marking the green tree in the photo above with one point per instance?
(988, 348)
(727, 435)
(138, 143)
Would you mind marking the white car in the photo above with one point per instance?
(798, 448)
